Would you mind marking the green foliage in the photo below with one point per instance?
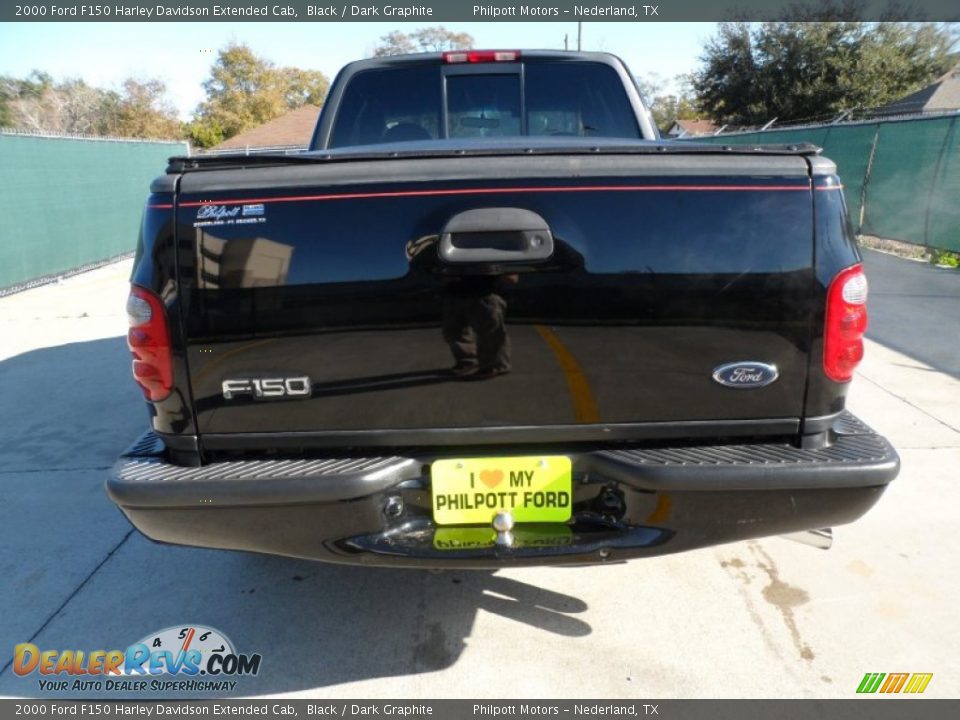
(245, 90)
(428, 39)
(205, 134)
(395, 43)
(139, 109)
(750, 74)
(13, 89)
(945, 257)
(143, 111)
(668, 107)
(302, 87)
(6, 96)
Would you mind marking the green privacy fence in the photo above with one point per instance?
(67, 203)
(902, 177)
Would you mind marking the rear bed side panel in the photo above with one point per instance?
(155, 268)
(836, 249)
(663, 271)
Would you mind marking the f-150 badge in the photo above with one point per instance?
(268, 388)
(746, 375)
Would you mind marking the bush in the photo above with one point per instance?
(945, 257)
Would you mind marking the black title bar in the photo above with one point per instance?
(442, 11)
(605, 709)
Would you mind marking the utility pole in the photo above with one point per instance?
(579, 35)
(566, 41)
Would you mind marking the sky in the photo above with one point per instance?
(180, 54)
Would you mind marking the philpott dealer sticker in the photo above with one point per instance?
(175, 659)
(252, 214)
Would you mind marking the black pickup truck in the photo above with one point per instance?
(489, 318)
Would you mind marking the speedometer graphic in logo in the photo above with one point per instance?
(178, 649)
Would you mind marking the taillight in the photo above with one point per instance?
(480, 56)
(845, 324)
(149, 342)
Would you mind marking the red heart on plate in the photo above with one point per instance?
(491, 478)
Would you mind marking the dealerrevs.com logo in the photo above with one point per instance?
(178, 658)
(910, 683)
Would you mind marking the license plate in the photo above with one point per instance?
(531, 489)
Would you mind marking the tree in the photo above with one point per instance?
(814, 70)
(725, 84)
(143, 111)
(438, 39)
(245, 90)
(13, 89)
(668, 107)
(139, 109)
(650, 85)
(428, 39)
(302, 87)
(71, 106)
(395, 43)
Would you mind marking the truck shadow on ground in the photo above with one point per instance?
(75, 406)
(912, 310)
(315, 625)
(319, 625)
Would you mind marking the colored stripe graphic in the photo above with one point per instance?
(894, 682)
(499, 191)
(918, 682)
(870, 682)
(914, 683)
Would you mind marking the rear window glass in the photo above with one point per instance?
(483, 106)
(394, 105)
(581, 99)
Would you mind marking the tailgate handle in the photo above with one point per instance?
(496, 235)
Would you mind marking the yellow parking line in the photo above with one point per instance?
(584, 404)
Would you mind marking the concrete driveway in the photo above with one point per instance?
(764, 618)
(915, 309)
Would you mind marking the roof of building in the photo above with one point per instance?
(693, 127)
(293, 129)
(944, 94)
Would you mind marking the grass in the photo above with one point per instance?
(945, 258)
(935, 256)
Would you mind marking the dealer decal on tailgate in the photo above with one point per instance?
(532, 489)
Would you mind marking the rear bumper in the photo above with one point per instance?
(627, 503)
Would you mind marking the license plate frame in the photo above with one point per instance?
(532, 488)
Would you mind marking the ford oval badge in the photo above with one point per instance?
(746, 375)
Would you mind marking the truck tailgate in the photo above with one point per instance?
(319, 304)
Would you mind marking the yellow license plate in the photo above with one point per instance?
(531, 489)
